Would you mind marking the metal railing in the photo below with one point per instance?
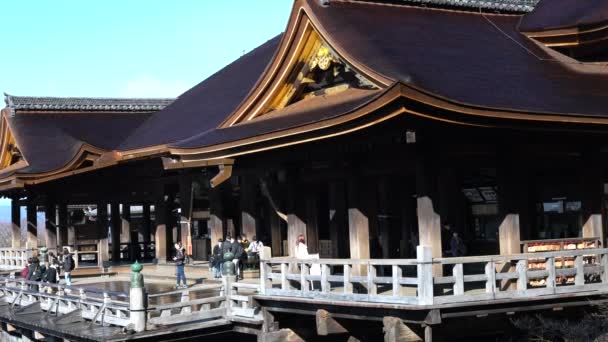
(421, 281)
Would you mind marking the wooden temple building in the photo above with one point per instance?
(366, 126)
(377, 129)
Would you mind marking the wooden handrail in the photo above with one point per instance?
(503, 275)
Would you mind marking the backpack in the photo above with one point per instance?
(24, 272)
(36, 276)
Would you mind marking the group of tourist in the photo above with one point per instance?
(241, 249)
(49, 270)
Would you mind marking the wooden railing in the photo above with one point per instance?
(14, 257)
(420, 282)
(98, 306)
(226, 303)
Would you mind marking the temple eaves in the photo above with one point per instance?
(493, 5)
(85, 104)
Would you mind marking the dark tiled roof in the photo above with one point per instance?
(205, 106)
(300, 113)
(50, 141)
(471, 58)
(557, 14)
(31, 103)
(501, 5)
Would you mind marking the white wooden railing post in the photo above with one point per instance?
(550, 267)
(227, 281)
(347, 285)
(265, 282)
(372, 288)
(490, 277)
(397, 274)
(325, 286)
(304, 271)
(424, 268)
(604, 266)
(579, 278)
(522, 275)
(284, 281)
(458, 274)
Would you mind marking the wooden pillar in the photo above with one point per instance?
(32, 226)
(62, 227)
(592, 186)
(358, 225)
(513, 196)
(409, 221)
(296, 225)
(338, 219)
(115, 227)
(276, 237)
(102, 226)
(312, 221)
(146, 224)
(384, 228)
(15, 223)
(50, 213)
(249, 219)
(125, 224)
(160, 237)
(429, 221)
(185, 219)
(216, 214)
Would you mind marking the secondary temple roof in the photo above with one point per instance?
(337, 64)
(31, 103)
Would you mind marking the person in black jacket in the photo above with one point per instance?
(216, 259)
(35, 272)
(180, 258)
(50, 276)
(227, 245)
(238, 251)
(68, 266)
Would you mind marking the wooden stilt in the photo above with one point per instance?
(358, 226)
(15, 223)
(32, 227)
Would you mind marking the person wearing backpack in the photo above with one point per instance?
(35, 273)
(50, 276)
(68, 266)
(238, 251)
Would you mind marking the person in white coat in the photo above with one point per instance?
(301, 252)
(301, 248)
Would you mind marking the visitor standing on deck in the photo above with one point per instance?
(68, 266)
(301, 248)
(180, 258)
(238, 251)
(255, 246)
(217, 259)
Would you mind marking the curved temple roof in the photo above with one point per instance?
(32, 103)
(562, 14)
(473, 66)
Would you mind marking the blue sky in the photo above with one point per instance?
(127, 48)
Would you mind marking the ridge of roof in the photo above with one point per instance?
(491, 5)
(97, 104)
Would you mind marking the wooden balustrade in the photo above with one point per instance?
(99, 306)
(411, 281)
(14, 257)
